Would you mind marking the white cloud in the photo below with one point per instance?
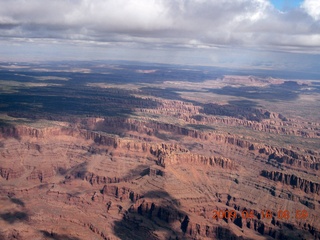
(312, 7)
(165, 23)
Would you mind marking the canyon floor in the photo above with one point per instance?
(95, 150)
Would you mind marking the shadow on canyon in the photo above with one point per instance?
(16, 216)
(55, 236)
(84, 72)
(241, 112)
(286, 91)
(68, 103)
(151, 213)
(156, 215)
(17, 201)
(13, 216)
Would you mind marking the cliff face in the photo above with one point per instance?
(269, 126)
(9, 173)
(254, 119)
(168, 159)
(307, 186)
(41, 175)
(121, 193)
(91, 177)
(19, 131)
(307, 160)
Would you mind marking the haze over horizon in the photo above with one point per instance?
(259, 34)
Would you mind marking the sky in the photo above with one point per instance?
(266, 34)
(285, 5)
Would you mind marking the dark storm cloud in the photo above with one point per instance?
(166, 23)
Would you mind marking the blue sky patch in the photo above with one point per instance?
(284, 5)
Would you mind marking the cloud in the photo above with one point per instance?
(165, 23)
(312, 7)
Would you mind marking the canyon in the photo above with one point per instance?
(155, 163)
